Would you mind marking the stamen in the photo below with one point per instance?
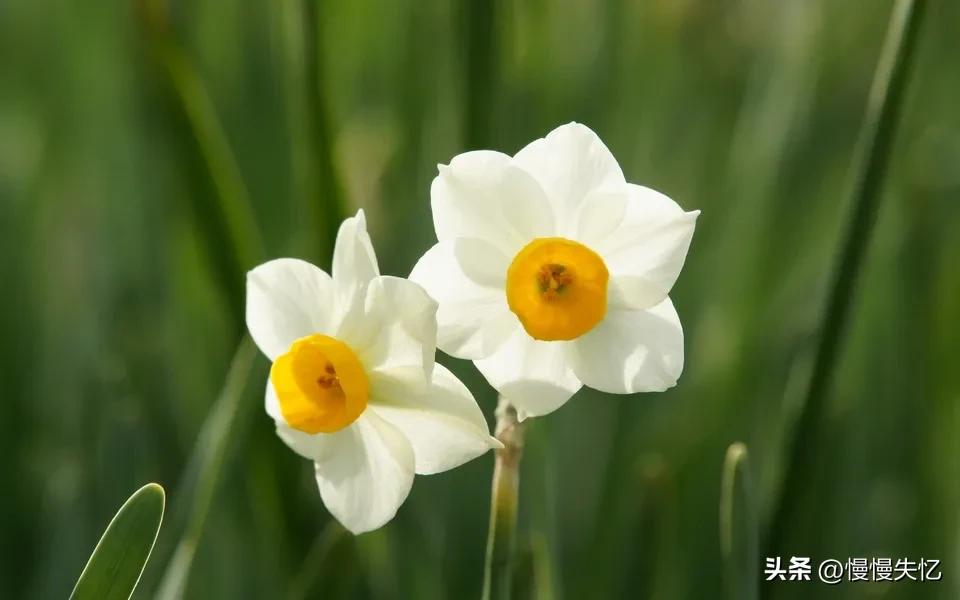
(329, 380)
(552, 278)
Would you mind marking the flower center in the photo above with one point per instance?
(557, 288)
(320, 384)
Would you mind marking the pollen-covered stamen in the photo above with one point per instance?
(552, 279)
(329, 378)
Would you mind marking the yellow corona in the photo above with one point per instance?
(320, 384)
(557, 288)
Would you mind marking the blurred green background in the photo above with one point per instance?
(135, 137)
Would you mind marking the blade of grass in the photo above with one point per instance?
(114, 568)
(317, 180)
(228, 224)
(877, 137)
(478, 26)
(651, 531)
(738, 526)
(331, 542)
(213, 450)
(533, 572)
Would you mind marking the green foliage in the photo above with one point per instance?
(121, 554)
(739, 535)
(122, 303)
(214, 448)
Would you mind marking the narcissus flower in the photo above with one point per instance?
(353, 386)
(552, 271)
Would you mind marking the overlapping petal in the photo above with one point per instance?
(439, 417)
(534, 376)
(466, 277)
(354, 261)
(365, 473)
(643, 237)
(307, 445)
(287, 299)
(483, 195)
(398, 326)
(569, 163)
(631, 351)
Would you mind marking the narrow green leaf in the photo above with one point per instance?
(877, 137)
(211, 453)
(533, 570)
(329, 547)
(114, 568)
(225, 217)
(317, 182)
(479, 22)
(738, 526)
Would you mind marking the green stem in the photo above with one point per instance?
(501, 540)
(877, 136)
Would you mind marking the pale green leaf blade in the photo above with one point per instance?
(114, 568)
(738, 526)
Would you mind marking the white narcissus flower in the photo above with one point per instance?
(552, 272)
(353, 386)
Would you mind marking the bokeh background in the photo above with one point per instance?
(150, 153)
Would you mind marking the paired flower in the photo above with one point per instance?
(353, 386)
(551, 271)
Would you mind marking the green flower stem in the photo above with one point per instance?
(877, 136)
(501, 540)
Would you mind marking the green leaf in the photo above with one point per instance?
(533, 571)
(215, 446)
(738, 526)
(118, 560)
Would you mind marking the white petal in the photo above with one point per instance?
(287, 299)
(311, 446)
(440, 419)
(466, 277)
(483, 195)
(272, 403)
(354, 261)
(366, 474)
(398, 326)
(569, 163)
(631, 351)
(643, 237)
(534, 376)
